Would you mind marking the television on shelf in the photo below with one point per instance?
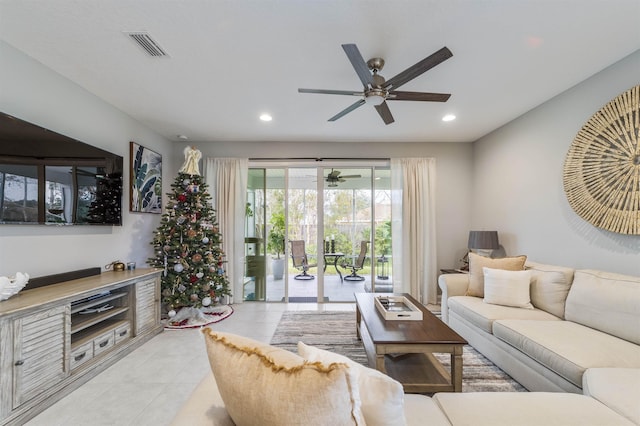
(47, 178)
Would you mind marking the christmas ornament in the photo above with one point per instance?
(205, 240)
(206, 301)
(182, 198)
(181, 288)
(193, 279)
(197, 257)
(186, 182)
(199, 275)
(194, 297)
(171, 313)
(191, 233)
(178, 267)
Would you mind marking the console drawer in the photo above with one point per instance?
(103, 342)
(81, 354)
(123, 332)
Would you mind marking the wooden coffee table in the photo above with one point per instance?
(404, 349)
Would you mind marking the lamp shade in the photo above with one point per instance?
(483, 240)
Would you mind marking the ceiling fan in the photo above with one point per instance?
(334, 177)
(377, 91)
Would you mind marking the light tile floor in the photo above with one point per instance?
(148, 386)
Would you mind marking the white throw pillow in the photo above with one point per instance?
(268, 386)
(508, 288)
(382, 397)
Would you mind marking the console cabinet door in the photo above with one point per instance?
(6, 370)
(40, 342)
(147, 304)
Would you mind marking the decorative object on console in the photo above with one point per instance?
(602, 168)
(146, 180)
(116, 265)
(10, 286)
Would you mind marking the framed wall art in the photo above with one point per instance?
(146, 180)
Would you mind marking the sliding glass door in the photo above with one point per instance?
(317, 234)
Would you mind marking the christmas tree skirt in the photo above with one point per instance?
(196, 318)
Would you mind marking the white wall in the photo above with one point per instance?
(35, 93)
(453, 163)
(517, 180)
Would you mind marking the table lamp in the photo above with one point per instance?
(483, 242)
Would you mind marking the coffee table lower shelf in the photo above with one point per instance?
(417, 372)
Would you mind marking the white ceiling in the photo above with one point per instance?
(230, 61)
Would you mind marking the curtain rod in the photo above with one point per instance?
(318, 159)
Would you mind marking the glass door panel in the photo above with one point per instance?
(302, 234)
(383, 279)
(276, 234)
(347, 216)
(255, 280)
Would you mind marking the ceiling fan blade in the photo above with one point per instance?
(331, 92)
(358, 63)
(419, 68)
(418, 96)
(347, 110)
(385, 113)
(350, 176)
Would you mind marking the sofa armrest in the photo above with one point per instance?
(451, 285)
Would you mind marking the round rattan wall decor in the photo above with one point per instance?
(602, 168)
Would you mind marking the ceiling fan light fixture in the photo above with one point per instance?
(449, 117)
(373, 98)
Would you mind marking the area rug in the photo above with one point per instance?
(206, 317)
(336, 332)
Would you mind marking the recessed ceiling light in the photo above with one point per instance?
(449, 117)
(266, 117)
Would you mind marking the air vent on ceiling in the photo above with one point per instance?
(144, 40)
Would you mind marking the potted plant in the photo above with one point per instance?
(275, 245)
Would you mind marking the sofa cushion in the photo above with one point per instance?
(617, 388)
(382, 397)
(567, 348)
(524, 409)
(550, 286)
(264, 385)
(476, 274)
(607, 302)
(421, 410)
(507, 288)
(482, 315)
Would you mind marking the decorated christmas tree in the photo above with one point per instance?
(188, 248)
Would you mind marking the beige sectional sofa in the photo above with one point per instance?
(205, 406)
(256, 384)
(572, 337)
(578, 320)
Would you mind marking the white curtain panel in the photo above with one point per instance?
(413, 222)
(227, 180)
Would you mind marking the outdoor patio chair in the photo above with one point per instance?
(358, 263)
(300, 260)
